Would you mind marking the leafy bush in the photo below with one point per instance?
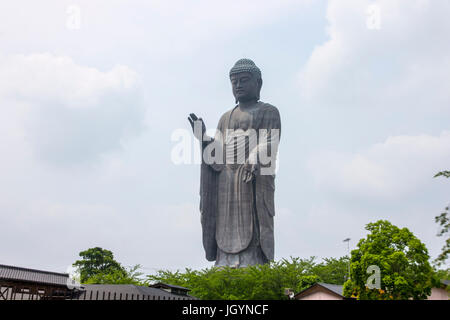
(259, 282)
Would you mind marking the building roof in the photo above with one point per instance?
(130, 289)
(168, 286)
(445, 282)
(333, 288)
(336, 288)
(12, 273)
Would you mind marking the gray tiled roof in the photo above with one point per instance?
(12, 273)
(124, 289)
(165, 285)
(336, 288)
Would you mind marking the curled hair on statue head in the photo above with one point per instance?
(247, 65)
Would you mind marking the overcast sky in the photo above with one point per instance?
(92, 91)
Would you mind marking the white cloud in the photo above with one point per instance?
(370, 83)
(404, 64)
(399, 166)
(188, 25)
(161, 28)
(67, 112)
(46, 78)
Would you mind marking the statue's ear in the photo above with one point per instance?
(259, 88)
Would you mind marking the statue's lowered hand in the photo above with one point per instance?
(198, 126)
(250, 171)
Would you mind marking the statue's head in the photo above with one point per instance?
(246, 80)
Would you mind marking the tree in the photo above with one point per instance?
(267, 282)
(332, 270)
(443, 173)
(116, 276)
(402, 260)
(444, 221)
(98, 261)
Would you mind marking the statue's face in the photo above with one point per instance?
(245, 86)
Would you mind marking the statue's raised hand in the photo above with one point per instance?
(198, 126)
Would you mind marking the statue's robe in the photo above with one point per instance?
(237, 217)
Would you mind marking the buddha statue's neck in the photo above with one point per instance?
(245, 105)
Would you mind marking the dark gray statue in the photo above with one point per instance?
(237, 175)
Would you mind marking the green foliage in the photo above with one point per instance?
(443, 173)
(115, 276)
(267, 282)
(402, 259)
(96, 262)
(332, 270)
(444, 222)
(441, 274)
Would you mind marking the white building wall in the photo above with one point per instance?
(319, 295)
(438, 294)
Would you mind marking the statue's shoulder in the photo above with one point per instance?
(267, 107)
(227, 114)
(224, 118)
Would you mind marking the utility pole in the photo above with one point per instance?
(348, 251)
